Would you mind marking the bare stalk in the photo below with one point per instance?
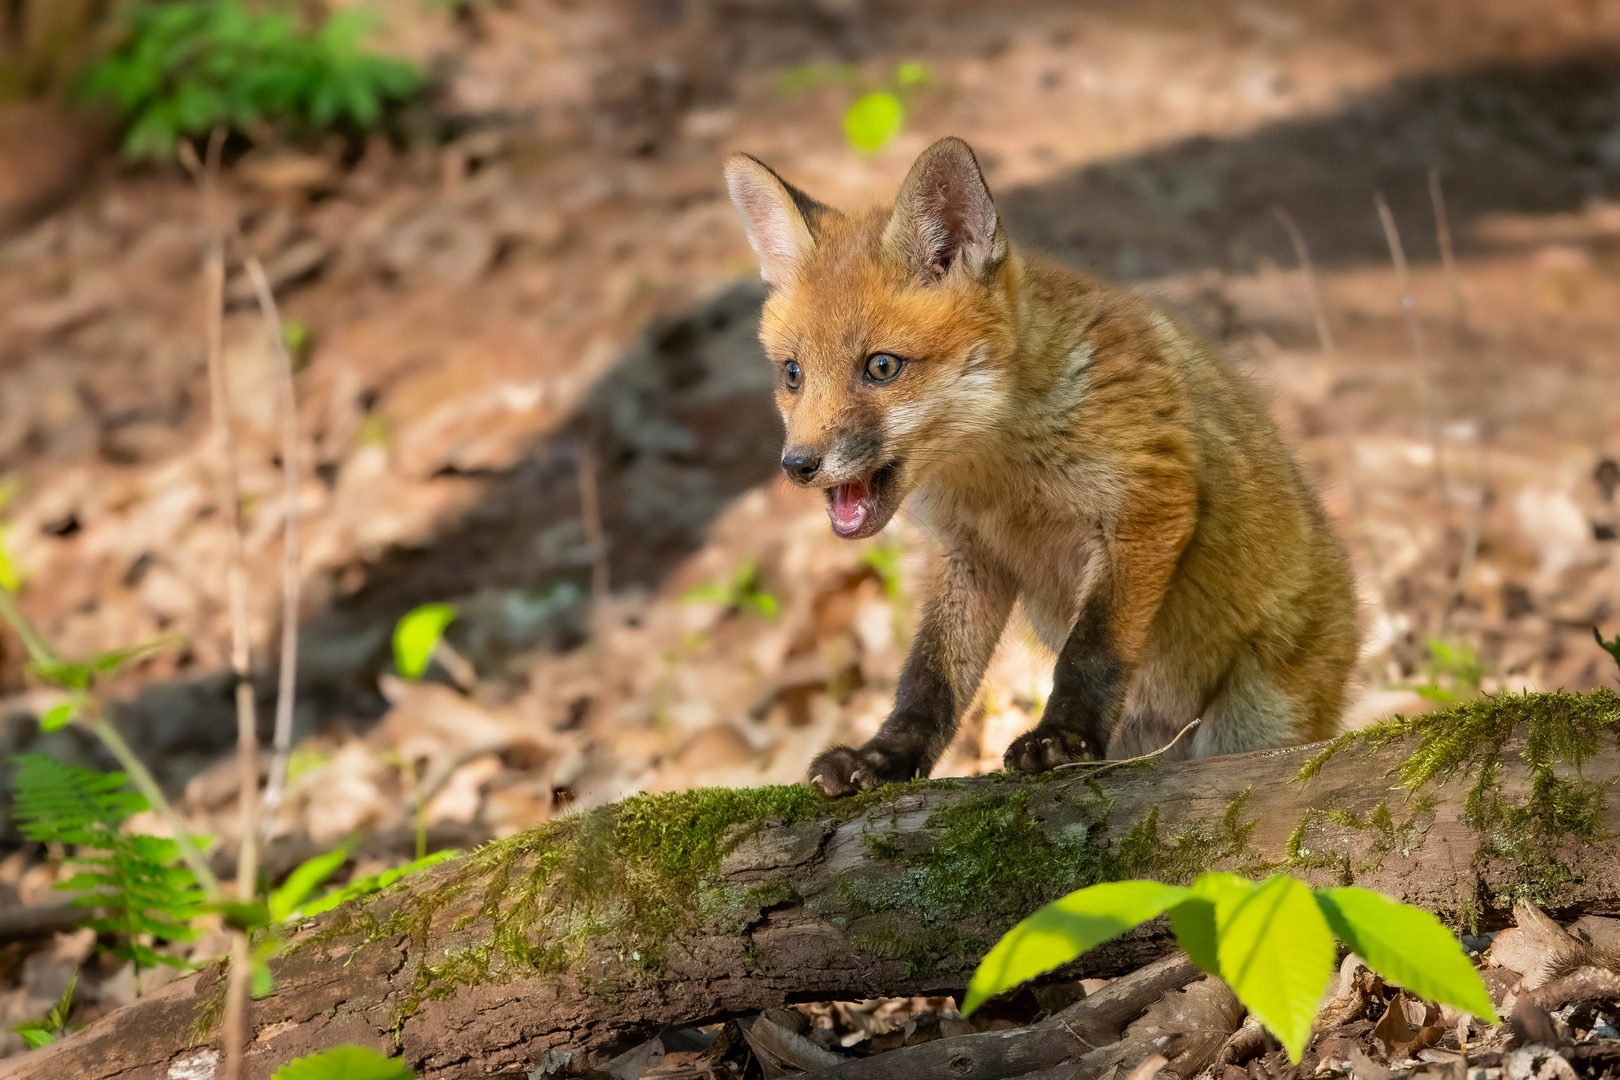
(291, 577)
(1420, 358)
(233, 1028)
(1341, 422)
(1448, 260)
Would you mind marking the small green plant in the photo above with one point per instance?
(346, 1062)
(185, 67)
(1610, 647)
(417, 635)
(372, 884)
(138, 880)
(877, 117)
(1271, 941)
(1452, 672)
(885, 561)
(873, 120)
(38, 1033)
(744, 592)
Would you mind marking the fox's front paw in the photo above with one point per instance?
(840, 771)
(1045, 748)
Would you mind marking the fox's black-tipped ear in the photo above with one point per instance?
(781, 221)
(944, 217)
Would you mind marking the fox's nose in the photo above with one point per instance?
(800, 467)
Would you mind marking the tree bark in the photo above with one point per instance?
(899, 898)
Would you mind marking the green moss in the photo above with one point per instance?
(1180, 856)
(920, 950)
(984, 852)
(1533, 833)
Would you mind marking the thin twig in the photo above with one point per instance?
(1341, 422)
(1420, 358)
(1448, 260)
(291, 576)
(1104, 766)
(590, 512)
(233, 1026)
(230, 504)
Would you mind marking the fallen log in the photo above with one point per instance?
(544, 954)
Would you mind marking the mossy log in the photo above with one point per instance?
(560, 946)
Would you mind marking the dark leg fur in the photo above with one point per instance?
(907, 745)
(1088, 689)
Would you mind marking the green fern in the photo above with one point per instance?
(136, 881)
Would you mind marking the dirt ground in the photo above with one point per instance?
(532, 293)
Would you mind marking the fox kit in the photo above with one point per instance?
(1070, 448)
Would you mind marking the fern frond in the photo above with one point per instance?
(61, 803)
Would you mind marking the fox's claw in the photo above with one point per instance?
(1045, 748)
(840, 771)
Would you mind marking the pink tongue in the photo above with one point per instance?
(849, 505)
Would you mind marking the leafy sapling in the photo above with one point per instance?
(1270, 941)
(744, 592)
(38, 1033)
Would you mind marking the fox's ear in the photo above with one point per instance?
(944, 216)
(781, 221)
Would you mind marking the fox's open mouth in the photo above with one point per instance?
(862, 507)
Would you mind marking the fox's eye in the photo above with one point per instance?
(794, 374)
(881, 367)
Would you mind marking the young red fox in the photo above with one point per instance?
(1069, 447)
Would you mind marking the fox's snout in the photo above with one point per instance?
(801, 465)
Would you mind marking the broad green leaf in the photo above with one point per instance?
(305, 880)
(346, 1062)
(417, 634)
(873, 120)
(1064, 929)
(35, 1034)
(1194, 919)
(1276, 953)
(1406, 945)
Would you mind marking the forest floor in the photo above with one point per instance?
(538, 284)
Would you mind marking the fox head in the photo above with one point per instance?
(892, 332)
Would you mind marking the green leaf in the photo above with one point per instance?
(35, 1034)
(1276, 953)
(1408, 946)
(873, 120)
(1195, 919)
(417, 634)
(912, 73)
(347, 1062)
(248, 915)
(60, 716)
(304, 880)
(376, 883)
(1064, 929)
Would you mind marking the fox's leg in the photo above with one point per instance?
(1124, 588)
(961, 623)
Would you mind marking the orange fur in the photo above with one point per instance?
(1071, 448)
